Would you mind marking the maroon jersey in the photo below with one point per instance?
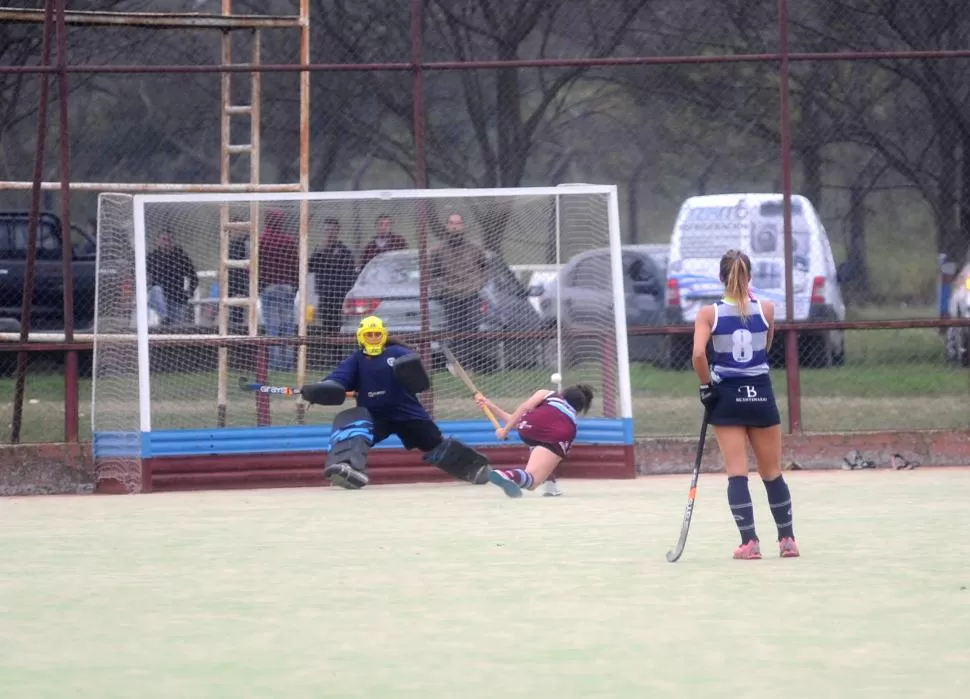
(551, 424)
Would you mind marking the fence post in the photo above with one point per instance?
(791, 336)
(67, 270)
(20, 385)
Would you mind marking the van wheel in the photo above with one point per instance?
(676, 353)
(962, 345)
(815, 352)
(838, 358)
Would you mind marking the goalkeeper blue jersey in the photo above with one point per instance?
(377, 387)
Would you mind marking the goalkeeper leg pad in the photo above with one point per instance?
(460, 461)
(350, 441)
(411, 374)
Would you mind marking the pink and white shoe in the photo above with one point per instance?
(750, 551)
(787, 548)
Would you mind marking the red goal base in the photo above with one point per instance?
(385, 466)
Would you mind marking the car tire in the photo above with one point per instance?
(815, 352)
(963, 346)
(676, 353)
(838, 357)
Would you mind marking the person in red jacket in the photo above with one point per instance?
(279, 268)
(386, 240)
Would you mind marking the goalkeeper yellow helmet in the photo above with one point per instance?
(372, 335)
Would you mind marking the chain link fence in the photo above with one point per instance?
(668, 100)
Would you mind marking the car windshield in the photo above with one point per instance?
(389, 269)
(14, 234)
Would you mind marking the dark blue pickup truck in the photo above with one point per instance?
(47, 314)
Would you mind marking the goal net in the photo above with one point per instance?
(203, 296)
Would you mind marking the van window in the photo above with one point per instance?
(768, 274)
(706, 243)
(770, 209)
(769, 239)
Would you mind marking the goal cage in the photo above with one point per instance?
(202, 297)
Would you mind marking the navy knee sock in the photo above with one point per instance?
(779, 500)
(739, 498)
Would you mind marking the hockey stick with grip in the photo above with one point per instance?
(454, 368)
(674, 555)
(253, 387)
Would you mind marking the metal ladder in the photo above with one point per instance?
(234, 218)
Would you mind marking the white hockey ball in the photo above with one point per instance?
(556, 378)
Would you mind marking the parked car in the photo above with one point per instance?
(583, 301)
(389, 286)
(958, 339)
(47, 310)
(707, 226)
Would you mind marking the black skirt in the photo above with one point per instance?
(746, 402)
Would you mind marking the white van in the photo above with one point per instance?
(708, 226)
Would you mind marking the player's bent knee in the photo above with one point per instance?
(350, 442)
(459, 461)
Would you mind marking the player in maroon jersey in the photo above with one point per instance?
(547, 423)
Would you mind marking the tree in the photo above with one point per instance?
(926, 93)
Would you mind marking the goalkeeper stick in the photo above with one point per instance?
(454, 368)
(253, 387)
(678, 551)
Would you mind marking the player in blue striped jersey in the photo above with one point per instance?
(736, 391)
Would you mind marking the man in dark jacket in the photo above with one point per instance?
(332, 265)
(279, 271)
(458, 272)
(172, 280)
(386, 240)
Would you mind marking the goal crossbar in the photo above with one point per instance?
(380, 194)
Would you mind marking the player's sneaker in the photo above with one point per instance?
(551, 489)
(510, 487)
(787, 548)
(750, 551)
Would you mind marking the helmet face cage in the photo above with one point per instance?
(369, 325)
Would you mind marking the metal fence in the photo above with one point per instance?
(861, 106)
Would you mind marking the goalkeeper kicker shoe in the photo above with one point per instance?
(345, 476)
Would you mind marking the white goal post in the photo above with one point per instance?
(166, 384)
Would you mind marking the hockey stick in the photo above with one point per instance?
(454, 368)
(274, 390)
(674, 555)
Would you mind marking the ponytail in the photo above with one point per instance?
(736, 277)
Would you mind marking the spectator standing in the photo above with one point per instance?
(332, 265)
(168, 267)
(386, 240)
(279, 269)
(457, 274)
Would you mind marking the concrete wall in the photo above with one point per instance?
(42, 469)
